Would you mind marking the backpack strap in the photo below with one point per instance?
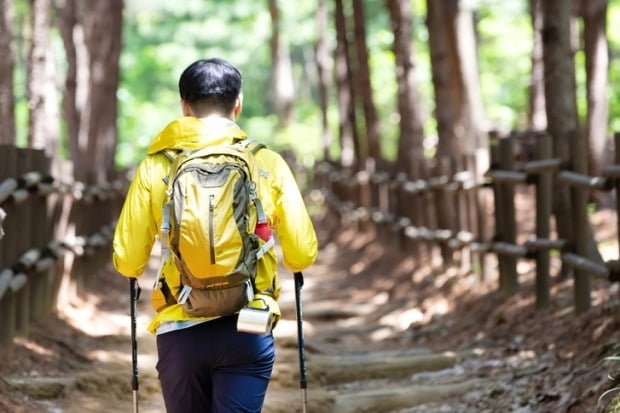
(251, 144)
(266, 247)
(169, 153)
(261, 217)
(164, 234)
(164, 230)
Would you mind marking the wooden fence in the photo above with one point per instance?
(459, 211)
(55, 234)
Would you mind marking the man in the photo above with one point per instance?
(204, 363)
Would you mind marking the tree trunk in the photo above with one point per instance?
(103, 29)
(74, 96)
(349, 142)
(7, 96)
(323, 66)
(364, 84)
(282, 85)
(410, 144)
(43, 119)
(594, 14)
(537, 117)
(561, 106)
(458, 102)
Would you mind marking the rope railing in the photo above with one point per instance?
(53, 233)
(459, 209)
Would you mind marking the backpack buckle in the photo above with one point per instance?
(184, 294)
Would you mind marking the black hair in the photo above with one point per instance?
(210, 85)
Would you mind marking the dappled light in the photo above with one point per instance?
(35, 348)
(458, 161)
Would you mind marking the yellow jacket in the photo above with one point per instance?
(141, 215)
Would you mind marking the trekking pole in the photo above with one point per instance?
(134, 294)
(303, 384)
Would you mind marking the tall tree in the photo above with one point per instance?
(282, 85)
(410, 144)
(76, 77)
(323, 66)
(561, 106)
(43, 119)
(364, 84)
(594, 14)
(103, 31)
(458, 103)
(7, 96)
(349, 142)
(537, 117)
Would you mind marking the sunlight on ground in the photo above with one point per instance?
(34, 347)
(379, 299)
(436, 306)
(381, 334)
(288, 328)
(84, 315)
(401, 320)
(110, 356)
(609, 250)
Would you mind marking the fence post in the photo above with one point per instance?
(397, 210)
(502, 155)
(416, 208)
(444, 206)
(61, 212)
(506, 149)
(40, 281)
(24, 241)
(383, 226)
(482, 203)
(364, 200)
(8, 250)
(544, 202)
(498, 207)
(463, 211)
(429, 202)
(581, 238)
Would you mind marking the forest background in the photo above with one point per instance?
(131, 54)
(92, 81)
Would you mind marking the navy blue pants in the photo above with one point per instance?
(212, 368)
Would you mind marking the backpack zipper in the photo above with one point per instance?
(211, 237)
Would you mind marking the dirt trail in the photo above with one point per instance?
(383, 334)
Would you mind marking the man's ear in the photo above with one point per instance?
(238, 105)
(186, 109)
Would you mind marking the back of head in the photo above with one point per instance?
(210, 86)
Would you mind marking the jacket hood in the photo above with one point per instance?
(193, 133)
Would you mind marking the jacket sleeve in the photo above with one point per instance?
(294, 228)
(136, 229)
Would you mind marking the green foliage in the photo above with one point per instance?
(21, 33)
(383, 79)
(613, 36)
(505, 46)
(161, 38)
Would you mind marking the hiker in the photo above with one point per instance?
(204, 363)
